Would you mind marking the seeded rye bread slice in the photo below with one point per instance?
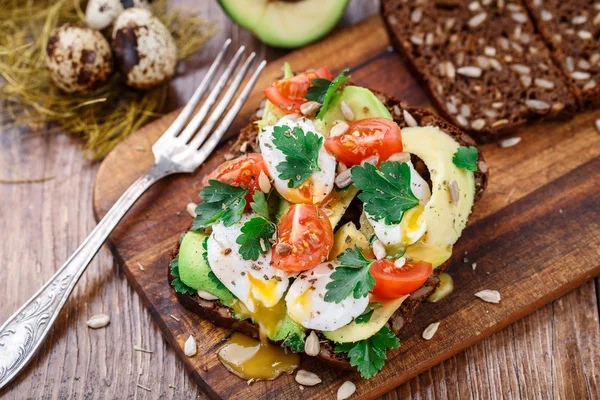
(404, 116)
(487, 69)
(572, 29)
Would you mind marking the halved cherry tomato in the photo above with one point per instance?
(393, 282)
(288, 94)
(242, 171)
(304, 238)
(365, 138)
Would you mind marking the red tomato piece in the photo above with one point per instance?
(365, 138)
(288, 94)
(242, 171)
(304, 238)
(393, 282)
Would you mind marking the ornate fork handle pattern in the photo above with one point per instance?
(23, 333)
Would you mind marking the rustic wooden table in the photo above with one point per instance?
(547, 354)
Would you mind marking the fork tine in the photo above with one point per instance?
(187, 111)
(215, 138)
(222, 106)
(191, 128)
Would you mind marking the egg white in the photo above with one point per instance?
(250, 281)
(306, 305)
(396, 234)
(322, 181)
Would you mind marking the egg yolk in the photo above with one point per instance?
(421, 250)
(263, 290)
(304, 305)
(411, 222)
(252, 359)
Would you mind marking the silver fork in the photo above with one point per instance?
(179, 149)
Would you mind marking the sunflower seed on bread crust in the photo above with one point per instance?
(487, 57)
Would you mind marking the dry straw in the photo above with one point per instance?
(102, 117)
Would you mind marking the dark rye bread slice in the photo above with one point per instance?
(486, 68)
(404, 116)
(572, 29)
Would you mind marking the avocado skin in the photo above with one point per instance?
(313, 19)
(194, 270)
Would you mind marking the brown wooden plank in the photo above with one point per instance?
(536, 179)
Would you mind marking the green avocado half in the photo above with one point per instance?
(286, 23)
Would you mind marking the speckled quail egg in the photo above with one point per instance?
(101, 13)
(144, 49)
(79, 58)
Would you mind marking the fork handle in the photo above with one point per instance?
(23, 333)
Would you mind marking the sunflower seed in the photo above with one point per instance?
(489, 51)
(430, 330)
(399, 157)
(449, 24)
(312, 347)
(477, 20)
(465, 110)
(454, 192)
(338, 129)
(517, 32)
(519, 17)
(513, 7)
(429, 39)
(498, 104)
(370, 160)
(409, 119)
(451, 108)
(490, 296)
(596, 20)
(344, 179)
(521, 69)
(460, 58)
(594, 58)
(585, 35)
(556, 107)
(537, 105)
(584, 64)
(203, 294)
(478, 124)
(98, 321)
(378, 249)
(474, 6)
(264, 183)
(483, 62)
(510, 142)
(244, 147)
(570, 63)
(597, 123)
(496, 64)
(306, 378)
(191, 209)
(416, 40)
(416, 15)
(543, 83)
(503, 42)
(580, 76)
(310, 108)
(525, 39)
(490, 113)
(470, 71)
(499, 123)
(589, 85)
(525, 80)
(579, 20)
(450, 70)
(462, 120)
(346, 390)
(483, 167)
(189, 348)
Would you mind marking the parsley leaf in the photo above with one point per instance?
(295, 343)
(301, 151)
(221, 201)
(177, 284)
(368, 313)
(386, 191)
(260, 205)
(369, 355)
(322, 90)
(466, 157)
(352, 277)
(255, 237)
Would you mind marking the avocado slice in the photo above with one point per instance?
(194, 269)
(445, 221)
(354, 332)
(286, 23)
(362, 102)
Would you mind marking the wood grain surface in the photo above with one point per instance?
(552, 353)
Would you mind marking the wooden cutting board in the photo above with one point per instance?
(533, 236)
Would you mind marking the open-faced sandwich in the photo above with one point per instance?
(329, 224)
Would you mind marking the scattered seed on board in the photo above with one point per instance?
(191, 209)
(347, 111)
(138, 348)
(409, 119)
(307, 378)
(510, 142)
(346, 390)
(490, 296)
(190, 347)
(430, 330)
(312, 347)
(98, 321)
